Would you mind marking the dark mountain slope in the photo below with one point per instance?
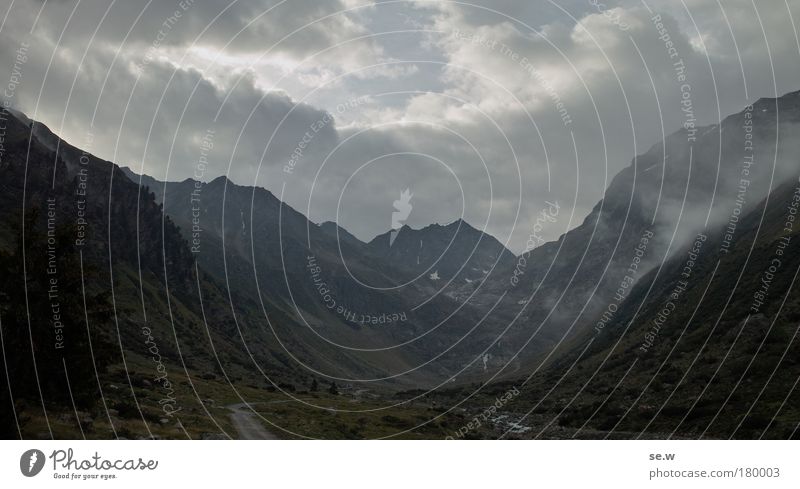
(707, 347)
(102, 286)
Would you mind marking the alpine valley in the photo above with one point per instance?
(138, 308)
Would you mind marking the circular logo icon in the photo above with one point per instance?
(31, 462)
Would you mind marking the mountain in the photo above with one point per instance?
(348, 309)
(455, 252)
(704, 346)
(698, 339)
(99, 289)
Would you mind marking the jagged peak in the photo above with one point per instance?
(222, 179)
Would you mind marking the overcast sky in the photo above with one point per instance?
(483, 110)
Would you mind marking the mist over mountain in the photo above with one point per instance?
(702, 335)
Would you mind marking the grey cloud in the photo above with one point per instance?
(262, 23)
